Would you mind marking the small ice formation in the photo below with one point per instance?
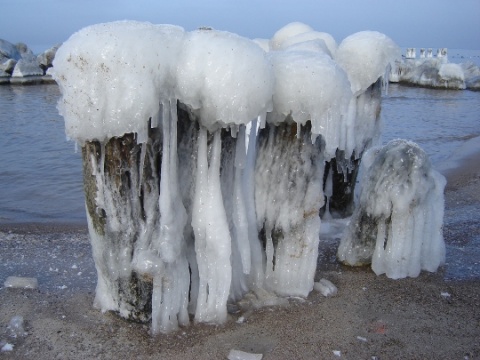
(435, 72)
(397, 224)
(19, 282)
(205, 157)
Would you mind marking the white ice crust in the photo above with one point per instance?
(311, 86)
(112, 77)
(224, 77)
(365, 56)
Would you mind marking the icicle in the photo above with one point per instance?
(385, 78)
(270, 254)
(212, 235)
(199, 224)
(328, 193)
(239, 208)
(143, 153)
(172, 212)
(155, 118)
(256, 258)
(99, 169)
(170, 297)
(172, 279)
(262, 120)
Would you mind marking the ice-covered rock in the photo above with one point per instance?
(25, 52)
(436, 72)
(8, 51)
(24, 68)
(45, 59)
(397, 225)
(18, 64)
(8, 66)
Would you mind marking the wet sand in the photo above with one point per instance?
(434, 316)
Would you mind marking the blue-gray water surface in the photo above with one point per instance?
(41, 175)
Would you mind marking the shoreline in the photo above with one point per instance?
(433, 316)
(27, 80)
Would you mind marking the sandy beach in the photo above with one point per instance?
(434, 316)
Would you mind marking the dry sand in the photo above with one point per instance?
(434, 316)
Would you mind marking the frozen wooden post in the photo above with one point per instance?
(175, 199)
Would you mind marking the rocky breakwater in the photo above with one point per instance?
(435, 72)
(19, 65)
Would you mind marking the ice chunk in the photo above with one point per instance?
(242, 355)
(21, 282)
(7, 347)
(212, 235)
(397, 225)
(366, 56)
(325, 287)
(16, 326)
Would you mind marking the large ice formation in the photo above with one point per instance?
(204, 158)
(397, 224)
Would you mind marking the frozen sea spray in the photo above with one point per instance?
(160, 220)
(183, 213)
(397, 225)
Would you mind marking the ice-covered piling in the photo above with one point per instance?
(397, 224)
(183, 214)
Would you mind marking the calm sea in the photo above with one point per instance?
(41, 175)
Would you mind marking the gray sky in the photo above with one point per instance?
(453, 24)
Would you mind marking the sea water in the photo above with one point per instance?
(440, 121)
(40, 172)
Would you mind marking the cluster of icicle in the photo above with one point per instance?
(203, 247)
